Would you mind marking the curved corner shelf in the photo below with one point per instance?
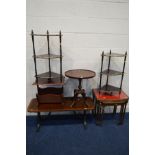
(47, 56)
(50, 78)
(114, 55)
(47, 75)
(50, 81)
(111, 72)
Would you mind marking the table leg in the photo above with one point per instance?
(38, 121)
(84, 97)
(124, 110)
(84, 120)
(97, 113)
(46, 116)
(122, 114)
(94, 102)
(101, 113)
(99, 110)
(80, 84)
(74, 113)
(74, 98)
(79, 91)
(115, 109)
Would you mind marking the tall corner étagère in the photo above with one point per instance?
(107, 88)
(49, 84)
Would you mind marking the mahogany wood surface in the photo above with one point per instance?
(64, 106)
(53, 81)
(80, 74)
(51, 78)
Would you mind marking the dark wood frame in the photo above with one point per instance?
(109, 90)
(106, 88)
(49, 53)
(43, 102)
(79, 77)
(49, 94)
(49, 77)
(100, 104)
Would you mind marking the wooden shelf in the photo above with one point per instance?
(64, 106)
(46, 56)
(111, 72)
(55, 81)
(50, 78)
(48, 75)
(114, 55)
(110, 88)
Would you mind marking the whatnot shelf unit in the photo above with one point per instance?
(110, 72)
(53, 93)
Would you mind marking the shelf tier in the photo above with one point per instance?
(46, 56)
(50, 78)
(109, 88)
(54, 82)
(114, 55)
(48, 75)
(111, 72)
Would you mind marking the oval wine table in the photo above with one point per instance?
(80, 74)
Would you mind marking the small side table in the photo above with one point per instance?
(79, 74)
(103, 99)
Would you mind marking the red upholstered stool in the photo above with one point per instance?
(115, 99)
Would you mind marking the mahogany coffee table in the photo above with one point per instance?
(80, 74)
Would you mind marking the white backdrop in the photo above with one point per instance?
(88, 28)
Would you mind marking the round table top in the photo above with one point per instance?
(80, 74)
